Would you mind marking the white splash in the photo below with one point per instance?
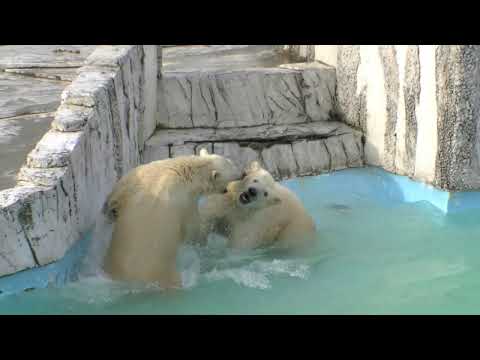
(258, 274)
(99, 243)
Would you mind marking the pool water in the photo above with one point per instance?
(375, 254)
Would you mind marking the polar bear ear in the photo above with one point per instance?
(253, 166)
(203, 152)
(215, 175)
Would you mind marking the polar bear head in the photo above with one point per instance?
(222, 171)
(256, 189)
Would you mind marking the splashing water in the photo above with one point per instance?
(216, 262)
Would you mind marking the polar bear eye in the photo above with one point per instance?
(255, 180)
(265, 193)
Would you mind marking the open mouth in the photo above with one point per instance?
(244, 198)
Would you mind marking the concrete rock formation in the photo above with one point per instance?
(418, 106)
(96, 137)
(32, 78)
(228, 99)
(283, 116)
(286, 150)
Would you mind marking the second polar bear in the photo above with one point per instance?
(152, 208)
(257, 211)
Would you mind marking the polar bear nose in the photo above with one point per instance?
(252, 191)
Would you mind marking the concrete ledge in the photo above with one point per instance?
(165, 137)
(96, 137)
(286, 150)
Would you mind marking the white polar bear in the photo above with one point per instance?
(257, 211)
(152, 208)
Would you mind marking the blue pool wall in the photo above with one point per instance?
(371, 183)
(384, 187)
(55, 274)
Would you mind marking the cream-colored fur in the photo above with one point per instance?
(278, 219)
(152, 208)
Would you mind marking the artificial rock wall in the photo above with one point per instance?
(418, 106)
(284, 117)
(97, 135)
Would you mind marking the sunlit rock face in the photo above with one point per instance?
(96, 135)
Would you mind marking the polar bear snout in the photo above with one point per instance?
(257, 197)
(244, 198)
(248, 196)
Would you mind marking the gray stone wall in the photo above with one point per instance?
(458, 101)
(227, 99)
(285, 150)
(97, 135)
(301, 53)
(283, 116)
(419, 108)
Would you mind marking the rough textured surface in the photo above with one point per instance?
(43, 56)
(182, 150)
(418, 106)
(391, 83)
(285, 150)
(412, 98)
(15, 219)
(152, 153)
(458, 99)
(226, 57)
(18, 135)
(54, 149)
(32, 78)
(68, 175)
(351, 100)
(250, 97)
(280, 161)
(353, 147)
(318, 89)
(26, 95)
(241, 155)
(63, 74)
(265, 133)
(71, 117)
(149, 93)
(301, 52)
(279, 115)
(312, 157)
(337, 153)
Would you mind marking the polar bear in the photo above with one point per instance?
(152, 207)
(219, 212)
(257, 211)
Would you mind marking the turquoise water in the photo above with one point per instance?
(375, 254)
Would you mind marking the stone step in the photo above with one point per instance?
(285, 150)
(249, 103)
(321, 129)
(220, 98)
(210, 57)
